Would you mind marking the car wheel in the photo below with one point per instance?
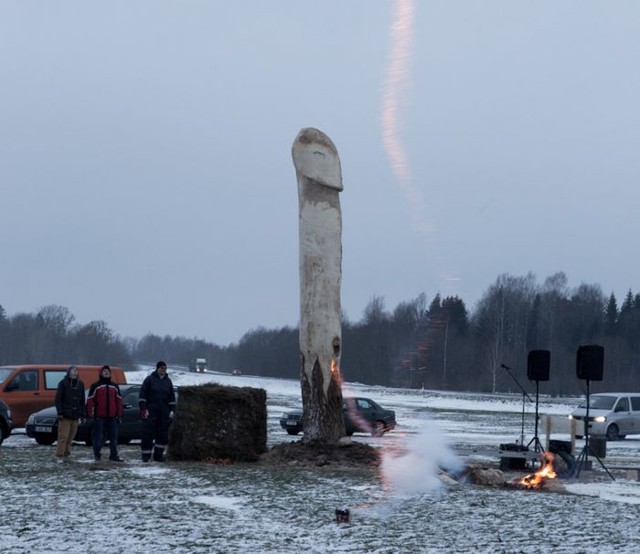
(292, 432)
(613, 433)
(378, 429)
(45, 441)
(4, 433)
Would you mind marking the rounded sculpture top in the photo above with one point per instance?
(316, 157)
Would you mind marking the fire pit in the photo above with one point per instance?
(544, 479)
(539, 480)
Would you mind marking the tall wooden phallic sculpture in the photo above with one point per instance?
(320, 228)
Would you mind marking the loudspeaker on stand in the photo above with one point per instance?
(538, 362)
(590, 362)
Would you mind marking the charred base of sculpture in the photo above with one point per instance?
(351, 455)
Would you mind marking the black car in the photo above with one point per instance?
(6, 423)
(360, 414)
(43, 425)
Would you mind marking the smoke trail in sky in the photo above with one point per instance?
(394, 93)
(393, 98)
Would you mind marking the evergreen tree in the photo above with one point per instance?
(611, 317)
(533, 324)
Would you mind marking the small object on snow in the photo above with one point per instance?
(342, 516)
(322, 460)
(448, 479)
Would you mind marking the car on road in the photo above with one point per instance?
(6, 423)
(43, 425)
(360, 414)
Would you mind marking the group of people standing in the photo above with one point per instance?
(156, 402)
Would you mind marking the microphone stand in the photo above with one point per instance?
(524, 396)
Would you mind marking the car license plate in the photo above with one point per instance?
(42, 429)
(291, 423)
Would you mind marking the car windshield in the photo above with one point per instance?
(599, 402)
(4, 373)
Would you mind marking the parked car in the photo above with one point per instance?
(360, 414)
(43, 425)
(6, 423)
(613, 415)
(29, 388)
(236, 371)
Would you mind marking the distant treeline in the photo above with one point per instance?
(437, 344)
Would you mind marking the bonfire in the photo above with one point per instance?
(536, 480)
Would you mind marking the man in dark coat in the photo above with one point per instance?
(157, 402)
(70, 408)
(104, 405)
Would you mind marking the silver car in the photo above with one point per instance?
(613, 415)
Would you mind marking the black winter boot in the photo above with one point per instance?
(158, 454)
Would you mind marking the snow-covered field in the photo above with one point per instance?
(198, 507)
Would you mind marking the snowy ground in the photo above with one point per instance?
(197, 507)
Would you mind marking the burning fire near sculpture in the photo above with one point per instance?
(537, 479)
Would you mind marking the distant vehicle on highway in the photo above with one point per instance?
(236, 371)
(199, 365)
(360, 414)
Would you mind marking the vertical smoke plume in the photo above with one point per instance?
(393, 98)
(394, 93)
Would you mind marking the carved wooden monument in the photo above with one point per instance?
(320, 228)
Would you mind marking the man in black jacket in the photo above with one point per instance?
(70, 407)
(157, 402)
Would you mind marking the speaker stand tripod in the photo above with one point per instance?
(525, 396)
(583, 459)
(537, 445)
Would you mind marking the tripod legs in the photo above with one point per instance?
(584, 455)
(582, 461)
(537, 445)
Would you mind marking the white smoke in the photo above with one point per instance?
(415, 469)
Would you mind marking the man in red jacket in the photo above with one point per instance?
(104, 405)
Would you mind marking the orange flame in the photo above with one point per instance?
(534, 480)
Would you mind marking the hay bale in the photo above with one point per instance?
(214, 422)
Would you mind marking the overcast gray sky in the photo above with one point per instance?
(145, 152)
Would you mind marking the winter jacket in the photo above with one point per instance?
(70, 398)
(104, 399)
(157, 394)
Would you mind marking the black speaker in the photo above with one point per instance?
(590, 362)
(538, 362)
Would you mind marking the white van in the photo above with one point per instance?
(613, 415)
